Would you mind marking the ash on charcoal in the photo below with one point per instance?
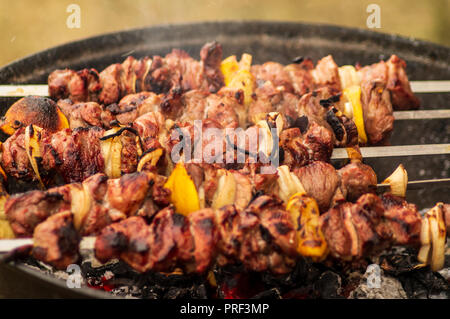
(270, 294)
(376, 285)
(418, 281)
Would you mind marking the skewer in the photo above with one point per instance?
(392, 151)
(10, 90)
(88, 242)
(8, 245)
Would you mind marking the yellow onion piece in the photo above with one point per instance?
(425, 241)
(352, 95)
(81, 201)
(152, 157)
(226, 190)
(398, 181)
(111, 150)
(288, 183)
(32, 147)
(438, 236)
(348, 76)
(184, 195)
(432, 238)
(305, 215)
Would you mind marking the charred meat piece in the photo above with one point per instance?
(350, 228)
(326, 74)
(27, 210)
(128, 240)
(402, 222)
(320, 181)
(398, 84)
(357, 179)
(269, 237)
(85, 114)
(211, 57)
(302, 148)
(262, 238)
(56, 241)
(378, 113)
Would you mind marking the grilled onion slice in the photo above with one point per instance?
(348, 76)
(432, 238)
(111, 149)
(152, 157)
(398, 181)
(226, 190)
(288, 183)
(32, 147)
(81, 201)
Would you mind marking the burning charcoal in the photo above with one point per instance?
(423, 283)
(273, 293)
(300, 293)
(303, 274)
(328, 285)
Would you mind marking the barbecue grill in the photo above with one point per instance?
(275, 41)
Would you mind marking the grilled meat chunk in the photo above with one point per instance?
(357, 179)
(378, 113)
(128, 240)
(56, 241)
(320, 181)
(301, 148)
(398, 84)
(326, 74)
(350, 228)
(402, 222)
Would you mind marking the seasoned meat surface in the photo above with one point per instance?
(56, 241)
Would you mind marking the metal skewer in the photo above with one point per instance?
(392, 151)
(8, 245)
(11, 90)
(420, 86)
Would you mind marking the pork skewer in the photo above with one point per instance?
(263, 237)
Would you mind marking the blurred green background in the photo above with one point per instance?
(27, 26)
